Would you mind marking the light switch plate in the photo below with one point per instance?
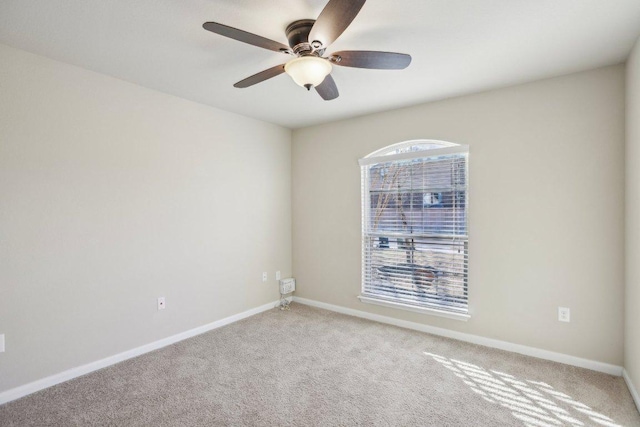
(161, 303)
(1, 343)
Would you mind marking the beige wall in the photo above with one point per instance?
(632, 297)
(546, 209)
(112, 195)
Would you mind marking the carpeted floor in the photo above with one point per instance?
(310, 367)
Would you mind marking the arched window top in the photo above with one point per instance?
(413, 149)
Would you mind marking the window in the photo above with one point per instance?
(414, 227)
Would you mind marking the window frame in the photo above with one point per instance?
(408, 150)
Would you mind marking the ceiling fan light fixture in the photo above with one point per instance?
(308, 39)
(308, 71)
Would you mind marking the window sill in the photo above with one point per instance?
(407, 307)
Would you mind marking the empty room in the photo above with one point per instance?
(320, 213)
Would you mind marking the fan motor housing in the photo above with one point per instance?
(298, 35)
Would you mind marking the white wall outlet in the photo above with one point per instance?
(161, 303)
(1, 343)
(277, 275)
(264, 276)
(564, 314)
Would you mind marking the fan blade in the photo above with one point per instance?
(261, 76)
(243, 36)
(328, 89)
(371, 59)
(333, 20)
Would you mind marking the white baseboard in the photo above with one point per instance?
(632, 389)
(21, 391)
(69, 374)
(474, 339)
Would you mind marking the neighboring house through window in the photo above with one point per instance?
(414, 227)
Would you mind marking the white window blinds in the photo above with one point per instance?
(414, 225)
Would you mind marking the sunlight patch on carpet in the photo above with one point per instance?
(535, 403)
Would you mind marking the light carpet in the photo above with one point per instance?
(311, 367)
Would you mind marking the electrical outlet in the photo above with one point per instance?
(564, 314)
(1, 343)
(277, 275)
(161, 303)
(264, 276)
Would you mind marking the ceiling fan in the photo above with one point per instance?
(308, 40)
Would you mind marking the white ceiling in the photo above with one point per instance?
(458, 47)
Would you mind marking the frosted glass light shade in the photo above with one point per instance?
(308, 70)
